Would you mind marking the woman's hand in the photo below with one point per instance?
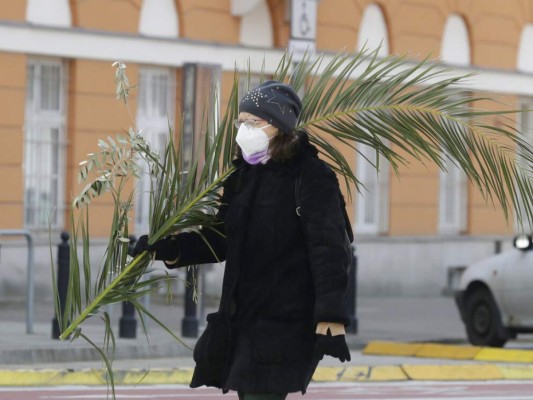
(163, 249)
(334, 327)
(331, 341)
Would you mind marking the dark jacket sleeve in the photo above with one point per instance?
(208, 245)
(324, 231)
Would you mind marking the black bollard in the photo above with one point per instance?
(63, 273)
(352, 295)
(190, 323)
(127, 324)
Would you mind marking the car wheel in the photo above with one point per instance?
(483, 322)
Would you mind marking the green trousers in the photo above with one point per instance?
(262, 396)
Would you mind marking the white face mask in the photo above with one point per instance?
(254, 144)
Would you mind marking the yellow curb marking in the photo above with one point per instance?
(505, 355)
(388, 373)
(453, 372)
(91, 377)
(50, 377)
(432, 350)
(377, 373)
(392, 348)
(327, 374)
(156, 376)
(21, 378)
(517, 371)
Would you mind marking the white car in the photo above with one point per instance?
(495, 296)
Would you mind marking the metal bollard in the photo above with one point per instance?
(352, 296)
(127, 325)
(190, 323)
(63, 274)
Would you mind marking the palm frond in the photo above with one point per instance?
(398, 108)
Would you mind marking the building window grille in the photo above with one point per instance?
(45, 145)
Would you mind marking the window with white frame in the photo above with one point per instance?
(526, 129)
(44, 144)
(453, 195)
(372, 204)
(155, 113)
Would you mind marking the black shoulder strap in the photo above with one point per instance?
(297, 191)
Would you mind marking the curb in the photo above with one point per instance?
(94, 377)
(452, 352)
(71, 352)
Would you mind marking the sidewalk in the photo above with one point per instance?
(396, 319)
(418, 320)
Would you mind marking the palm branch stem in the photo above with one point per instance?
(167, 226)
(162, 231)
(96, 302)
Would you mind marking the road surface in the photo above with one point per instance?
(336, 391)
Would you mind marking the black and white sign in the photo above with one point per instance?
(303, 19)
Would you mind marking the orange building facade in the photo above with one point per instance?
(57, 99)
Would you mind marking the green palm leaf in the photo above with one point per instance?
(397, 108)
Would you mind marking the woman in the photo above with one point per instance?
(281, 230)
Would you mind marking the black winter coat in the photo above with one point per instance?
(284, 273)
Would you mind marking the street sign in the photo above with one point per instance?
(303, 19)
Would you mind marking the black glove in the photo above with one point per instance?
(334, 346)
(164, 249)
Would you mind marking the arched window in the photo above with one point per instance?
(453, 185)
(159, 18)
(373, 31)
(49, 12)
(372, 204)
(455, 47)
(525, 50)
(256, 23)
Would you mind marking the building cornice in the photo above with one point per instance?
(78, 43)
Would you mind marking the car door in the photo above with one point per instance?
(517, 289)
